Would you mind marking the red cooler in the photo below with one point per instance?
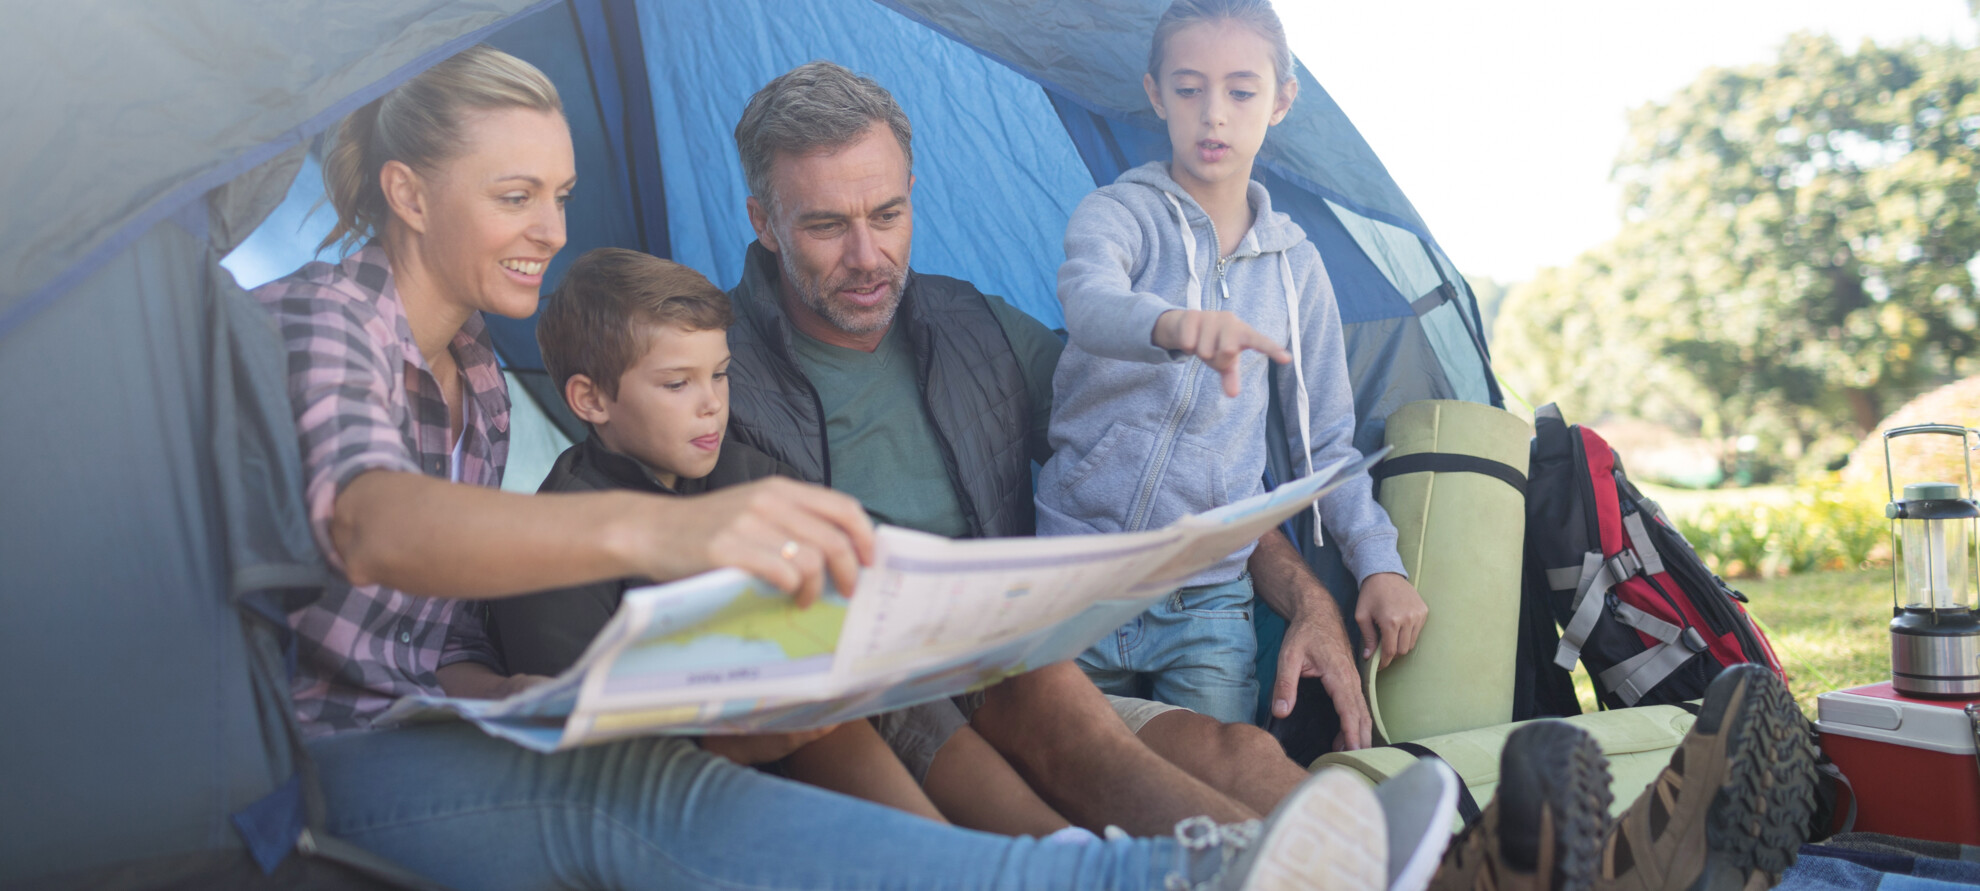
(1910, 762)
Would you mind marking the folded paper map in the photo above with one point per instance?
(724, 652)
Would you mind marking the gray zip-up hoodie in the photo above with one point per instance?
(1142, 436)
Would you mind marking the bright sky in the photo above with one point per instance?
(1501, 120)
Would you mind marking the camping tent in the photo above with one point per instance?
(151, 534)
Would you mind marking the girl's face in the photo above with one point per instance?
(1218, 93)
(491, 218)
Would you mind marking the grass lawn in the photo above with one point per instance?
(1830, 630)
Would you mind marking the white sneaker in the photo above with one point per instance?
(1327, 835)
(1418, 804)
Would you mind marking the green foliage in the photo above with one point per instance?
(1822, 526)
(1828, 628)
(1795, 255)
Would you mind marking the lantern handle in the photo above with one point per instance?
(1890, 478)
(1890, 491)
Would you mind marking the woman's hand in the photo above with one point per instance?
(1390, 604)
(790, 534)
(762, 748)
(1218, 338)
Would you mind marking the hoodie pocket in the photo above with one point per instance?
(1100, 489)
(1192, 482)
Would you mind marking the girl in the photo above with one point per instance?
(1188, 258)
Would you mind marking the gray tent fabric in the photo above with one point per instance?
(128, 525)
(124, 112)
(152, 529)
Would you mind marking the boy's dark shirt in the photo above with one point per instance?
(544, 633)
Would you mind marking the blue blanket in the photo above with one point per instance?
(1826, 867)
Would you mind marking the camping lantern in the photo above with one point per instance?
(1935, 636)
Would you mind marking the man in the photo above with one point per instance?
(929, 400)
(931, 411)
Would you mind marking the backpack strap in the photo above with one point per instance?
(1639, 674)
(1594, 579)
(1467, 806)
(1641, 543)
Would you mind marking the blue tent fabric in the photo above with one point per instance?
(153, 517)
(995, 174)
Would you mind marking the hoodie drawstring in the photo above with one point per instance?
(1299, 378)
(1193, 299)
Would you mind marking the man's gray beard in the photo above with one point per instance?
(850, 321)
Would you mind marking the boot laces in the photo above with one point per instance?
(1201, 835)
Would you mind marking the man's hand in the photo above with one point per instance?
(1218, 338)
(787, 533)
(1317, 647)
(1316, 642)
(762, 748)
(1390, 604)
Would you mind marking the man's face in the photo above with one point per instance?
(840, 223)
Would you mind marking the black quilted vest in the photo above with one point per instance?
(971, 384)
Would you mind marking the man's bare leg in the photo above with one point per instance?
(1238, 760)
(1065, 740)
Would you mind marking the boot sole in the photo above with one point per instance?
(1329, 835)
(1567, 769)
(1760, 816)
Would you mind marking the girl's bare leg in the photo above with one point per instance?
(978, 789)
(854, 760)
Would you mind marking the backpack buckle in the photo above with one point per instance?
(1623, 566)
(1694, 641)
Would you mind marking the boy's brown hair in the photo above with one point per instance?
(594, 323)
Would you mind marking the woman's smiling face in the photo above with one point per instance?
(494, 215)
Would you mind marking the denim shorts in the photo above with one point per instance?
(1194, 649)
(917, 732)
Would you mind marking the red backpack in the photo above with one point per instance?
(1634, 602)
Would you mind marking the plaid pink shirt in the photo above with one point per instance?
(365, 400)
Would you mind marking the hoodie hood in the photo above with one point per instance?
(1271, 231)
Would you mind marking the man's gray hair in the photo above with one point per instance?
(817, 105)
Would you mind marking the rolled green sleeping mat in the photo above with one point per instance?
(1455, 486)
(1638, 742)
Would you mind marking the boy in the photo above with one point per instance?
(639, 349)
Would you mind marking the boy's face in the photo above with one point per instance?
(673, 404)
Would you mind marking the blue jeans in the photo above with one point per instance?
(471, 811)
(1195, 649)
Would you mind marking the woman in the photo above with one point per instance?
(456, 182)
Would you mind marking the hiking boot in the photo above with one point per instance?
(1733, 806)
(1327, 835)
(1543, 829)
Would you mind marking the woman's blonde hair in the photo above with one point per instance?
(418, 123)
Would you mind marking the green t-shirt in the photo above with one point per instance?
(883, 444)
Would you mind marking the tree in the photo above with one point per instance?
(1799, 240)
